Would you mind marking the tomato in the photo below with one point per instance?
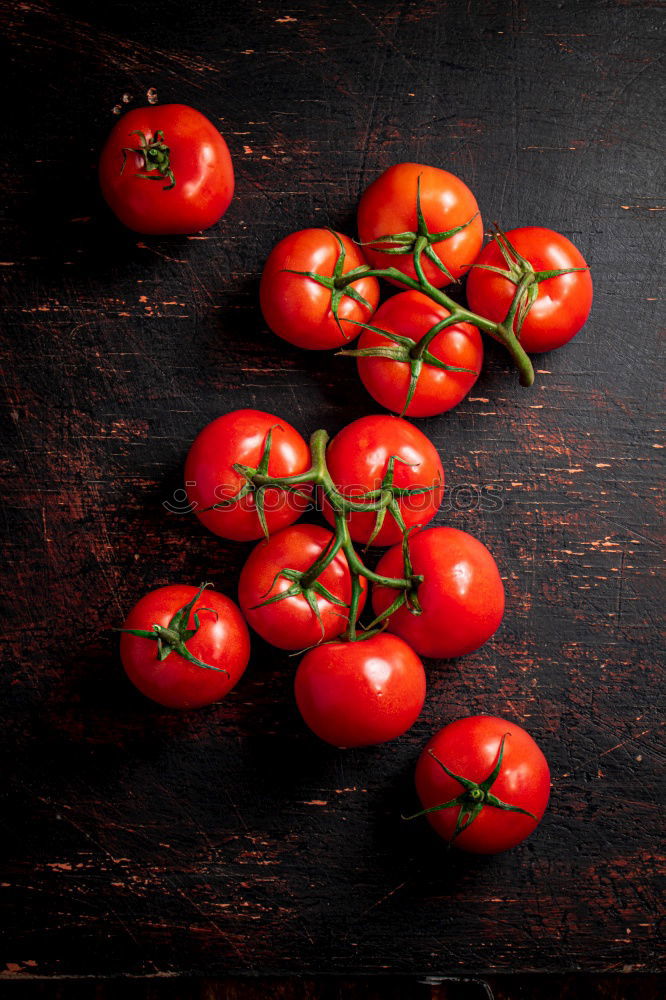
(354, 694)
(166, 169)
(240, 437)
(210, 630)
(462, 595)
(412, 314)
(299, 308)
(291, 623)
(388, 207)
(471, 748)
(358, 460)
(562, 303)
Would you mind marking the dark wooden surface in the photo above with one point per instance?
(228, 841)
(544, 986)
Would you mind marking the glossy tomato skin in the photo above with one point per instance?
(462, 595)
(297, 308)
(412, 314)
(239, 437)
(221, 641)
(291, 623)
(354, 694)
(563, 303)
(469, 747)
(357, 460)
(388, 206)
(200, 161)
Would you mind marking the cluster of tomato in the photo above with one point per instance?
(420, 352)
(436, 591)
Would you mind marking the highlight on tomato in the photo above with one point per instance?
(166, 169)
(558, 286)
(184, 646)
(483, 783)
(299, 297)
(461, 597)
(354, 694)
(284, 602)
(412, 206)
(412, 362)
(378, 451)
(225, 454)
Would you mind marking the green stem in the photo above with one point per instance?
(424, 343)
(324, 560)
(319, 476)
(501, 332)
(358, 569)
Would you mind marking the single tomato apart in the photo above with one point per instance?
(192, 646)
(354, 694)
(461, 597)
(299, 297)
(453, 227)
(279, 599)
(380, 450)
(166, 169)
(561, 304)
(483, 783)
(245, 437)
(422, 378)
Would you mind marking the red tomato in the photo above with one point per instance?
(462, 595)
(291, 623)
(388, 207)
(358, 459)
(412, 314)
(174, 176)
(240, 437)
(212, 631)
(355, 694)
(470, 748)
(563, 303)
(298, 308)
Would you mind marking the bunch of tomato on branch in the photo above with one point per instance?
(436, 592)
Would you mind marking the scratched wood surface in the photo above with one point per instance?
(228, 841)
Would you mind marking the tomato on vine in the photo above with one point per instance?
(286, 604)
(414, 208)
(558, 288)
(220, 467)
(484, 784)
(300, 299)
(166, 169)
(376, 452)
(461, 596)
(412, 359)
(354, 694)
(183, 646)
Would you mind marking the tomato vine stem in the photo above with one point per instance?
(381, 501)
(501, 332)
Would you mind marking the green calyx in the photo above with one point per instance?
(407, 351)
(257, 481)
(338, 283)
(420, 243)
(172, 638)
(520, 273)
(474, 797)
(303, 585)
(155, 155)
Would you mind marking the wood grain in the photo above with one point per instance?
(228, 841)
